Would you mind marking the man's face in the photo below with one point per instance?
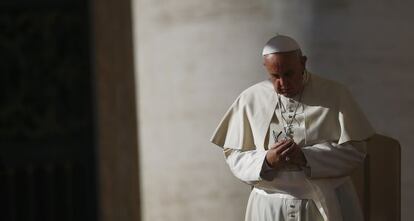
(286, 72)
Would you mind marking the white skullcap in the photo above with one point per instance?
(280, 43)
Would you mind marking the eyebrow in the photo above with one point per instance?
(282, 74)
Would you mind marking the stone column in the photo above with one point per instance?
(117, 150)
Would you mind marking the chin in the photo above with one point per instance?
(286, 94)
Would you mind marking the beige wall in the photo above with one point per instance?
(194, 57)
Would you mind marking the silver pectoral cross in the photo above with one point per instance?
(288, 131)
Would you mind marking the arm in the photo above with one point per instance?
(246, 165)
(254, 165)
(333, 160)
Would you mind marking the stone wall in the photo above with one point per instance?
(194, 57)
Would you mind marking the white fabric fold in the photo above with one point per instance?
(331, 115)
(332, 121)
(333, 160)
(247, 165)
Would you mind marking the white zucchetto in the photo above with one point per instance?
(280, 43)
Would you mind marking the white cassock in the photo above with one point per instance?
(330, 129)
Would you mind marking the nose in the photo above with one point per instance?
(283, 82)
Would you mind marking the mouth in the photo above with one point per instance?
(284, 91)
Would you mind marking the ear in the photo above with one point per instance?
(303, 60)
(265, 58)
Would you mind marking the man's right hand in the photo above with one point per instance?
(276, 154)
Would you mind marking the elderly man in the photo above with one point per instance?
(295, 138)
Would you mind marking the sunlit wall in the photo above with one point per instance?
(194, 57)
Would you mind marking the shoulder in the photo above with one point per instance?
(262, 88)
(255, 96)
(325, 87)
(325, 83)
(324, 92)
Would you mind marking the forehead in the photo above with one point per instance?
(281, 60)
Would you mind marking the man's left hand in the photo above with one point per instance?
(296, 156)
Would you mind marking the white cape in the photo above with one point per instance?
(332, 116)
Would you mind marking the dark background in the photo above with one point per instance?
(47, 165)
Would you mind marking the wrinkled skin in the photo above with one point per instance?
(286, 71)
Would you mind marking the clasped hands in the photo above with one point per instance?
(285, 152)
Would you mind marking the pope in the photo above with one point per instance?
(295, 138)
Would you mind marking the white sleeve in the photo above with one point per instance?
(333, 160)
(247, 165)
